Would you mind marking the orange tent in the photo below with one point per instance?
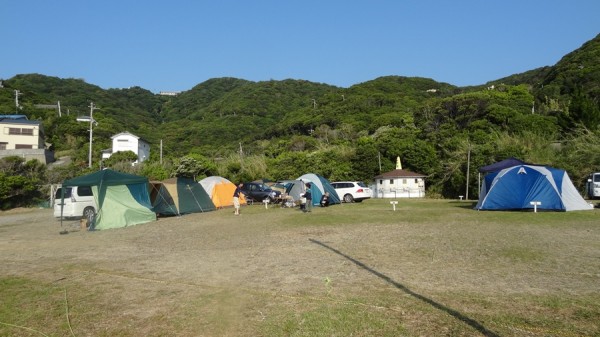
(220, 191)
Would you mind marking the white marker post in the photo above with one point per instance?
(535, 205)
(266, 202)
(394, 203)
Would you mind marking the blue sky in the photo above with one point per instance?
(175, 45)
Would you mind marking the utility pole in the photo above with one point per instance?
(241, 157)
(17, 94)
(92, 108)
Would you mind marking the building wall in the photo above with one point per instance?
(128, 142)
(15, 135)
(125, 143)
(43, 156)
(399, 187)
(25, 139)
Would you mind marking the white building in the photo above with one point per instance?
(24, 138)
(399, 183)
(126, 141)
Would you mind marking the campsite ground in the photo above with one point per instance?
(430, 268)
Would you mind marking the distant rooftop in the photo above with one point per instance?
(169, 93)
(13, 117)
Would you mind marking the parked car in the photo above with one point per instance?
(352, 191)
(78, 202)
(259, 192)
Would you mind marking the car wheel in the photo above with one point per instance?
(348, 198)
(89, 214)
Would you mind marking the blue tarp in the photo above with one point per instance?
(501, 165)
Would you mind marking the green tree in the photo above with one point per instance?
(127, 157)
(19, 181)
(365, 163)
(584, 111)
(194, 166)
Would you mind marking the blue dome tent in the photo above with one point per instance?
(318, 187)
(516, 187)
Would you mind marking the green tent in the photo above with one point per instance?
(122, 198)
(178, 196)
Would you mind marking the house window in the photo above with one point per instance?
(381, 181)
(19, 131)
(23, 146)
(403, 181)
(3, 145)
(416, 181)
(391, 181)
(122, 140)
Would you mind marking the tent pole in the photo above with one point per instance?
(62, 205)
(468, 168)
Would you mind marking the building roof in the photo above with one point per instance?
(127, 133)
(13, 117)
(398, 173)
(20, 121)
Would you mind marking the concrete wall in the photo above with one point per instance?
(44, 156)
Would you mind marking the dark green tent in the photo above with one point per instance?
(180, 195)
(122, 198)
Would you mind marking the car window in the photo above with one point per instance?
(67, 192)
(361, 184)
(84, 191)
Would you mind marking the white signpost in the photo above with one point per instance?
(535, 205)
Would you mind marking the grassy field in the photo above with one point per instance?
(430, 268)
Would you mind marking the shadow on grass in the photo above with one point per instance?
(473, 323)
(466, 204)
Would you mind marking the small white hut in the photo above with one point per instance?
(399, 183)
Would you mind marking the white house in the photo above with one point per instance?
(399, 183)
(24, 138)
(126, 141)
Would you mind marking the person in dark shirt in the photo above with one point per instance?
(308, 197)
(236, 198)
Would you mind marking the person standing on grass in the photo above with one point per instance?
(308, 197)
(236, 198)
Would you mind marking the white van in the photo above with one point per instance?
(78, 202)
(593, 186)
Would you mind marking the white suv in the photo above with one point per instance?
(78, 202)
(352, 191)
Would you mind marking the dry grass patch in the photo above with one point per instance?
(432, 267)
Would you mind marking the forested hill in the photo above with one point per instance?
(341, 133)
